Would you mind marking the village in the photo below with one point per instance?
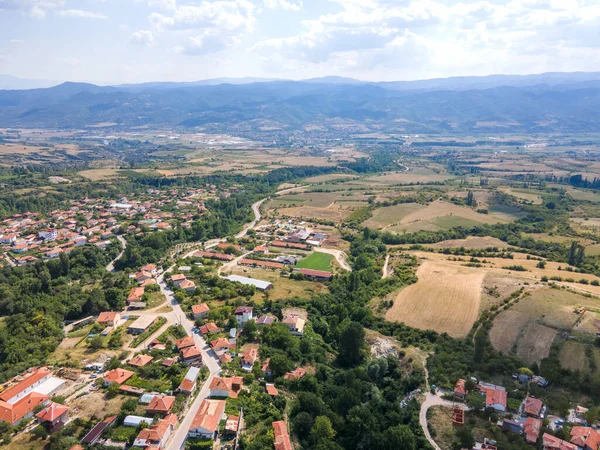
(212, 351)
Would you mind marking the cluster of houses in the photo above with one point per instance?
(529, 419)
(30, 236)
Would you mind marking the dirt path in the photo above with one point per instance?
(339, 255)
(386, 271)
(231, 264)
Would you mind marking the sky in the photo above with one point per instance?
(131, 41)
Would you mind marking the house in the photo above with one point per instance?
(141, 324)
(208, 328)
(26, 385)
(178, 279)
(150, 268)
(187, 285)
(258, 284)
(460, 391)
(206, 421)
(495, 399)
(295, 323)
(316, 275)
(232, 424)
(185, 342)
(19, 248)
(143, 276)
(585, 437)
(226, 387)
(191, 355)
(266, 320)
(53, 417)
(168, 362)
(225, 358)
(160, 405)
(156, 436)
(531, 429)
(249, 357)
(295, 374)
(200, 311)
(188, 384)
(155, 344)
(118, 376)
(211, 255)
(135, 295)
(136, 421)
(243, 314)
(293, 245)
(95, 433)
(281, 436)
(266, 368)
(553, 443)
(261, 249)
(140, 360)
(109, 318)
(512, 425)
(533, 407)
(272, 390)
(220, 344)
(264, 264)
(22, 408)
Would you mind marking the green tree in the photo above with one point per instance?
(398, 438)
(351, 345)
(96, 343)
(322, 429)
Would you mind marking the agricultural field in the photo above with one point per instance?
(471, 242)
(527, 195)
(438, 215)
(530, 326)
(316, 261)
(445, 299)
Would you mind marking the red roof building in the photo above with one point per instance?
(585, 437)
(533, 407)
(282, 438)
(554, 443)
(531, 429)
(160, 404)
(207, 419)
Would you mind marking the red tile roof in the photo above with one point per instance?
(282, 438)
(191, 353)
(316, 273)
(209, 415)
(185, 342)
(200, 309)
(585, 437)
(13, 391)
(495, 397)
(161, 403)
(532, 428)
(272, 390)
(52, 412)
(136, 294)
(554, 443)
(107, 316)
(14, 412)
(460, 387)
(140, 360)
(119, 376)
(533, 406)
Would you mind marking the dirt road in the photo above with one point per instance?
(111, 266)
(339, 255)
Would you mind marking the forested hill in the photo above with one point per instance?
(289, 105)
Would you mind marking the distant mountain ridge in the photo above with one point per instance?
(499, 103)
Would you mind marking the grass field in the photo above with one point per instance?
(473, 242)
(527, 195)
(572, 356)
(445, 299)
(316, 261)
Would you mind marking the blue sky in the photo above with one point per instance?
(117, 41)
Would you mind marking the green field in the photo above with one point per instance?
(316, 261)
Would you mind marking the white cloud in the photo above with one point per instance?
(16, 42)
(164, 4)
(80, 14)
(283, 4)
(142, 37)
(34, 8)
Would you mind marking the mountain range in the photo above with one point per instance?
(552, 102)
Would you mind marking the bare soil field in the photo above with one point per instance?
(535, 342)
(497, 287)
(445, 299)
(95, 404)
(99, 174)
(506, 329)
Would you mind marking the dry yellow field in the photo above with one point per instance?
(445, 299)
(308, 212)
(478, 243)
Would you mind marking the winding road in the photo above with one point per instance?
(339, 255)
(111, 265)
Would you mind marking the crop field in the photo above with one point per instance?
(578, 194)
(438, 215)
(529, 327)
(314, 199)
(316, 261)
(307, 212)
(527, 195)
(445, 299)
(413, 176)
(330, 177)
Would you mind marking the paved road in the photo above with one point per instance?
(339, 255)
(9, 260)
(248, 227)
(111, 266)
(209, 359)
